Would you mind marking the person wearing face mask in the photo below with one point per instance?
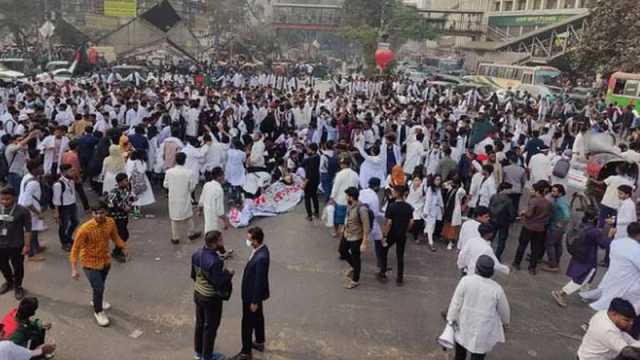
(211, 279)
(255, 290)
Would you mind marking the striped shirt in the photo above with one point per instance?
(91, 243)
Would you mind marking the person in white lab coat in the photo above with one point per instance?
(540, 166)
(345, 178)
(433, 208)
(626, 212)
(478, 246)
(479, 312)
(414, 155)
(53, 146)
(374, 165)
(30, 198)
(180, 183)
(487, 186)
(235, 172)
(621, 279)
(211, 201)
(136, 163)
(469, 228)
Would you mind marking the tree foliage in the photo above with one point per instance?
(21, 19)
(366, 20)
(611, 41)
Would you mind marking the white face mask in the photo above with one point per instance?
(248, 242)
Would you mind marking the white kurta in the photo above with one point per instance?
(540, 168)
(626, 215)
(47, 146)
(456, 216)
(212, 203)
(468, 231)
(621, 279)
(472, 250)
(372, 166)
(416, 199)
(179, 181)
(147, 197)
(31, 195)
(234, 171)
(413, 158)
(480, 308)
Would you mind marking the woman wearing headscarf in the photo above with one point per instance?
(479, 312)
(112, 166)
(433, 208)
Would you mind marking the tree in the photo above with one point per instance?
(610, 42)
(367, 20)
(21, 19)
(231, 17)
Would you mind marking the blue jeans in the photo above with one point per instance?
(97, 279)
(68, 223)
(14, 181)
(327, 184)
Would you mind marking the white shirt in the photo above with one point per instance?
(212, 202)
(626, 215)
(610, 197)
(468, 231)
(31, 195)
(345, 179)
(11, 351)
(603, 340)
(371, 199)
(540, 168)
(68, 196)
(472, 250)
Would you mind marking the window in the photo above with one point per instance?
(570, 4)
(497, 6)
(521, 5)
(537, 5)
(552, 4)
(527, 78)
(508, 6)
(631, 88)
(620, 85)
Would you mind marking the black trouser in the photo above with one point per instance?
(417, 228)
(68, 218)
(311, 194)
(461, 354)
(82, 195)
(252, 322)
(208, 315)
(553, 246)
(515, 199)
(97, 279)
(350, 252)
(537, 239)
(400, 244)
(502, 234)
(123, 232)
(12, 265)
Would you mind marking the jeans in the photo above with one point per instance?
(515, 199)
(14, 181)
(350, 252)
(537, 239)
(378, 248)
(502, 234)
(82, 195)
(400, 242)
(68, 222)
(97, 279)
(208, 315)
(252, 322)
(311, 194)
(461, 354)
(35, 244)
(123, 232)
(553, 245)
(12, 265)
(327, 184)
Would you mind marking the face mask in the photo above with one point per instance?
(248, 242)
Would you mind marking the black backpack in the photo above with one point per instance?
(575, 242)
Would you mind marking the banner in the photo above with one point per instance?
(121, 8)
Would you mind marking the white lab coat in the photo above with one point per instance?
(469, 230)
(373, 166)
(370, 198)
(212, 203)
(215, 156)
(416, 199)
(344, 179)
(472, 250)
(180, 183)
(147, 197)
(47, 146)
(195, 160)
(621, 279)
(456, 216)
(31, 195)
(540, 168)
(480, 308)
(234, 169)
(486, 191)
(625, 216)
(413, 158)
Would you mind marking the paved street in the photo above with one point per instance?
(310, 316)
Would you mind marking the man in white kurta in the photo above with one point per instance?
(477, 246)
(180, 183)
(540, 166)
(414, 156)
(469, 228)
(621, 279)
(480, 309)
(626, 211)
(212, 201)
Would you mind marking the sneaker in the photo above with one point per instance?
(352, 285)
(5, 288)
(258, 346)
(105, 305)
(194, 236)
(19, 293)
(197, 356)
(560, 298)
(450, 246)
(102, 319)
(36, 258)
(66, 247)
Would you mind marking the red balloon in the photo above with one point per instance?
(384, 57)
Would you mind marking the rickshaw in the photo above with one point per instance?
(586, 179)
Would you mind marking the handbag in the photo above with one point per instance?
(224, 290)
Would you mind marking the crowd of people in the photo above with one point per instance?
(393, 159)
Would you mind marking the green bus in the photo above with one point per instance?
(623, 89)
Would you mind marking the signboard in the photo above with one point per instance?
(120, 8)
(526, 21)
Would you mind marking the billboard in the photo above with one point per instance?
(121, 8)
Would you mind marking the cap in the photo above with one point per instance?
(484, 266)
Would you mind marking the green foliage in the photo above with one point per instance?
(611, 42)
(366, 20)
(21, 19)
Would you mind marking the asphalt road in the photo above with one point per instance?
(310, 315)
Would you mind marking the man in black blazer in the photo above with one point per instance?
(255, 290)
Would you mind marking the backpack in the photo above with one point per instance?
(372, 217)
(138, 182)
(561, 169)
